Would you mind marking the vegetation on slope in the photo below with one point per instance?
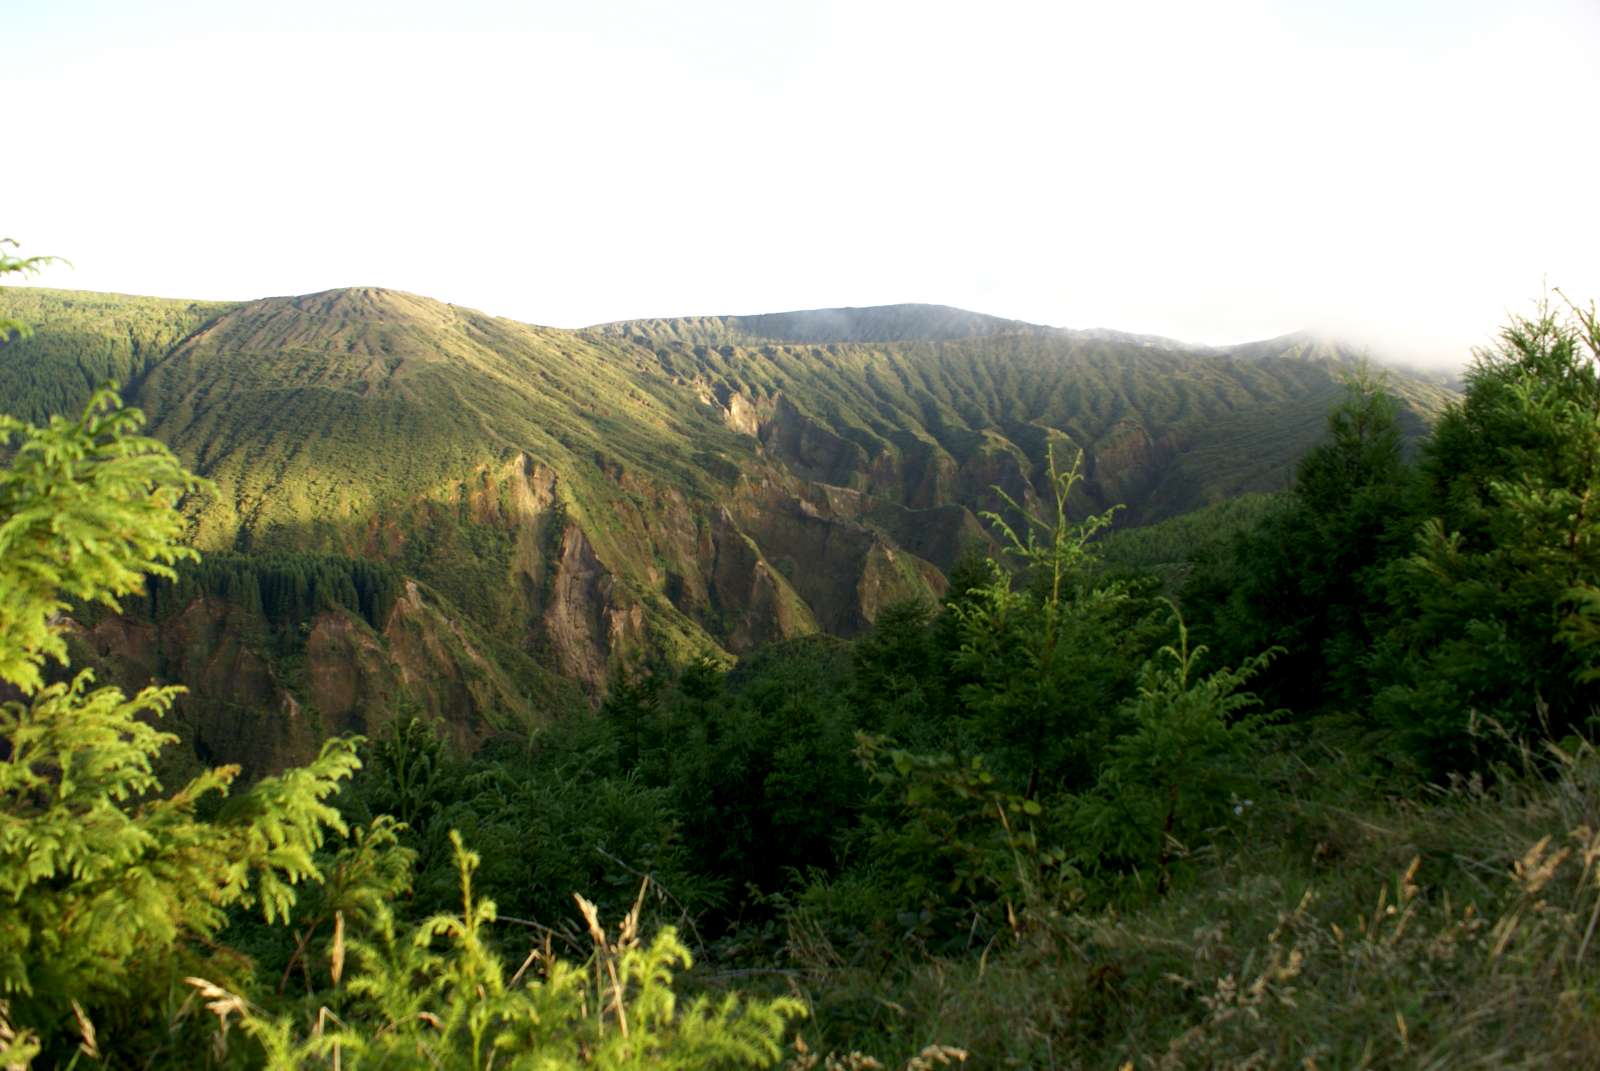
(645, 492)
(90, 338)
(1037, 822)
(1165, 427)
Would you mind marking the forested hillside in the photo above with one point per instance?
(1066, 796)
(558, 505)
(1303, 780)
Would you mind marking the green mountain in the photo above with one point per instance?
(556, 502)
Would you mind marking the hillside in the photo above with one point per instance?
(652, 488)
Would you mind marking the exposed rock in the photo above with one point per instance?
(577, 617)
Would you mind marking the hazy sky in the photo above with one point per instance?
(1212, 171)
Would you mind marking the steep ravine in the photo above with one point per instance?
(562, 504)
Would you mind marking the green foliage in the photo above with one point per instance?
(105, 883)
(439, 996)
(1178, 769)
(371, 424)
(1043, 664)
(13, 265)
(1026, 818)
(1496, 600)
(86, 510)
(763, 775)
(902, 686)
(287, 590)
(1310, 576)
(408, 769)
(95, 884)
(949, 849)
(1170, 548)
(80, 340)
(1343, 926)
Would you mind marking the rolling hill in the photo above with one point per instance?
(562, 501)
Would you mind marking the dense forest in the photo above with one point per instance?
(1305, 781)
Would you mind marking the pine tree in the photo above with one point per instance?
(13, 265)
(1043, 662)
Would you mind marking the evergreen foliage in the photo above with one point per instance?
(64, 344)
(1310, 575)
(10, 327)
(86, 510)
(286, 590)
(1177, 769)
(1043, 664)
(105, 885)
(440, 997)
(1497, 599)
(372, 424)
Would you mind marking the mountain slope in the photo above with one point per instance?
(656, 488)
(1166, 428)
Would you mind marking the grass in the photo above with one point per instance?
(1453, 931)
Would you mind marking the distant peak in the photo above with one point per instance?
(879, 323)
(363, 303)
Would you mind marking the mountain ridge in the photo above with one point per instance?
(654, 489)
(865, 323)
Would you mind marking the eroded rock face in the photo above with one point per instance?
(236, 710)
(588, 582)
(741, 415)
(751, 602)
(810, 449)
(1128, 463)
(262, 704)
(577, 617)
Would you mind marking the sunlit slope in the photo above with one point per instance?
(922, 421)
(668, 486)
(83, 339)
(555, 487)
(311, 411)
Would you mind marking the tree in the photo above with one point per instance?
(1310, 576)
(12, 265)
(1498, 600)
(1178, 768)
(1044, 662)
(107, 886)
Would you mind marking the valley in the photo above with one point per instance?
(563, 504)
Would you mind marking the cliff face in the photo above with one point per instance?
(255, 701)
(564, 502)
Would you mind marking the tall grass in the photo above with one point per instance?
(1456, 930)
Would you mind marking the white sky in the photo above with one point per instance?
(1402, 171)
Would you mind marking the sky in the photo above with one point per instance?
(1401, 173)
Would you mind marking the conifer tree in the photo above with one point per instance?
(1499, 598)
(1043, 662)
(1310, 576)
(107, 884)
